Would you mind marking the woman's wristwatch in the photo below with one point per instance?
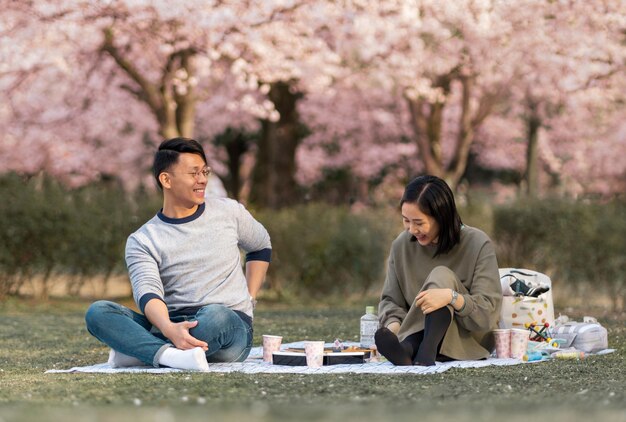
(455, 296)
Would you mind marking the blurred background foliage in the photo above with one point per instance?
(581, 244)
(320, 251)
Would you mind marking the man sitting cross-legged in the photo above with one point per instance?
(186, 274)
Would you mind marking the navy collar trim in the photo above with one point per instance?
(183, 220)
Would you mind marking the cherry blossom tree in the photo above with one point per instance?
(568, 95)
(45, 125)
(457, 66)
(290, 59)
(447, 62)
(365, 138)
(158, 65)
(381, 90)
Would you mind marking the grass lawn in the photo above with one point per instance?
(37, 336)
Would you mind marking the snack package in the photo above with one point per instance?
(587, 336)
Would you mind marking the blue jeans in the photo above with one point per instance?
(228, 335)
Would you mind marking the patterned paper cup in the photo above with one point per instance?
(503, 343)
(314, 351)
(519, 343)
(271, 344)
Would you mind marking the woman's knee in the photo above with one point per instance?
(441, 277)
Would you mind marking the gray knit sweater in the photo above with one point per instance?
(195, 261)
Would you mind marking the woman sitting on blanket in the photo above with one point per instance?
(442, 293)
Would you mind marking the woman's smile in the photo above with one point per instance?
(422, 226)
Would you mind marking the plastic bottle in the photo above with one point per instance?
(532, 356)
(569, 355)
(369, 325)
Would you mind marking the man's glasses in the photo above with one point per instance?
(204, 171)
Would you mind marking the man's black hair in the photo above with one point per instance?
(169, 151)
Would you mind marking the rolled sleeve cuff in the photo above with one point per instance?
(391, 320)
(467, 309)
(147, 298)
(262, 255)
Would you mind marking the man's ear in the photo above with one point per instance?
(165, 180)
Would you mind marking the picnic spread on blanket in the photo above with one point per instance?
(528, 315)
(254, 364)
(528, 333)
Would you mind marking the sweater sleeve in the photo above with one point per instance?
(392, 306)
(484, 298)
(143, 272)
(253, 237)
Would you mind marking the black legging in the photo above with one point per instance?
(421, 348)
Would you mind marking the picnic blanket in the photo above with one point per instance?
(254, 365)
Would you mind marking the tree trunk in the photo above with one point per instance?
(185, 97)
(531, 176)
(465, 135)
(427, 122)
(236, 143)
(235, 151)
(274, 183)
(171, 99)
(427, 131)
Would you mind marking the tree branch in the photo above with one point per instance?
(420, 128)
(151, 96)
(466, 132)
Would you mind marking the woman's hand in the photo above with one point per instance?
(432, 299)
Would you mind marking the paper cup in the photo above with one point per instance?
(271, 344)
(503, 342)
(314, 351)
(519, 343)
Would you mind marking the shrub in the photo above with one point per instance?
(48, 229)
(576, 242)
(320, 251)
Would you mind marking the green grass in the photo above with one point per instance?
(39, 336)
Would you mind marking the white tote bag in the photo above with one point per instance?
(517, 311)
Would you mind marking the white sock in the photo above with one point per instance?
(120, 360)
(184, 359)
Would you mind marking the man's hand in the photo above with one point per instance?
(432, 299)
(178, 333)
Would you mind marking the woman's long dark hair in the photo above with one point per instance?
(434, 198)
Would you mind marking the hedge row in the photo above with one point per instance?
(574, 242)
(318, 250)
(47, 229)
